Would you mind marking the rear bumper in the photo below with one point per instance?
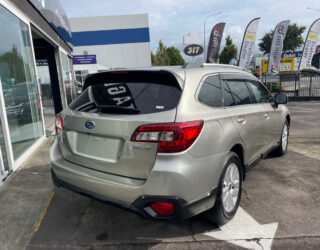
(141, 206)
(187, 192)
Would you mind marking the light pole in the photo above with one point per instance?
(309, 8)
(204, 33)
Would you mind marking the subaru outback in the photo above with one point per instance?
(168, 142)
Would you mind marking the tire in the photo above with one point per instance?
(283, 146)
(223, 211)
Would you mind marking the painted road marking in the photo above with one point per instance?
(44, 212)
(246, 232)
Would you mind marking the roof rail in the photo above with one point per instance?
(201, 65)
(220, 65)
(192, 65)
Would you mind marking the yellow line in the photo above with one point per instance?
(44, 212)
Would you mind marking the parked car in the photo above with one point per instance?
(168, 143)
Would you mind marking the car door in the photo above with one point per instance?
(247, 116)
(272, 116)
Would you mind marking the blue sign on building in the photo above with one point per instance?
(84, 59)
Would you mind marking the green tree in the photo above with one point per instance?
(292, 41)
(229, 52)
(175, 56)
(154, 60)
(161, 56)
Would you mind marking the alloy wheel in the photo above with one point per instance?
(230, 188)
(284, 137)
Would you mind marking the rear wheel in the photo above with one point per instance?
(282, 148)
(229, 191)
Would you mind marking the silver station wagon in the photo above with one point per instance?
(168, 143)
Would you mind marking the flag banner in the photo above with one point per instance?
(214, 43)
(310, 45)
(279, 35)
(248, 42)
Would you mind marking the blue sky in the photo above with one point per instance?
(170, 20)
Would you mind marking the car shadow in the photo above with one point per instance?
(76, 220)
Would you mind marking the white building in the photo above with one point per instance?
(35, 76)
(105, 42)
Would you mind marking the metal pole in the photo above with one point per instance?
(204, 34)
(204, 40)
(295, 85)
(299, 83)
(310, 87)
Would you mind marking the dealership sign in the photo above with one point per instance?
(84, 59)
(192, 38)
(42, 62)
(295, 55)
(193, 50)
(285, 65)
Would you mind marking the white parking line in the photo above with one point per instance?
(246, 232)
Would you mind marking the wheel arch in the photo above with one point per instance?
(239, 150)
(288, 118)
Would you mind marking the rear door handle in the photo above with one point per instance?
(241, 119)
(266, 115)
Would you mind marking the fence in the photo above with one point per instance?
(294, 85)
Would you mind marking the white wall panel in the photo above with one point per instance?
(119, 55)
(109, 22)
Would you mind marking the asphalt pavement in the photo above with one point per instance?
(279, 209)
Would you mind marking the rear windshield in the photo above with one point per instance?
(128, 93)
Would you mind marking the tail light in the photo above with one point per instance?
(172, 137)
(162, 208)
(59, 123)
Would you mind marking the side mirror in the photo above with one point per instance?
(280, 99)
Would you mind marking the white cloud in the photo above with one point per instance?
(170, 20)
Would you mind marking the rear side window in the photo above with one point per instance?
(129, 93)
(227, 97)
(210, 92)
(259, 92)
(239, 91)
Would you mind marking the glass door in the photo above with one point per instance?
(67, 77)
(4, 166)
(46, 95)
(20, 101)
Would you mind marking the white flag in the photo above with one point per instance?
(277, 46)
(248, 42)
(310, 45)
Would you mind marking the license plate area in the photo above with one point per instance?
(94, 147)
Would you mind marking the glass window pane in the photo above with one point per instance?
(147, 97)
(17, 72)
(3, 150)
(210, 92)
(228, 99)
(260, 93)
(67, 77)
(239, 92)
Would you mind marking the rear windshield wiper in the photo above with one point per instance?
(116, 109)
